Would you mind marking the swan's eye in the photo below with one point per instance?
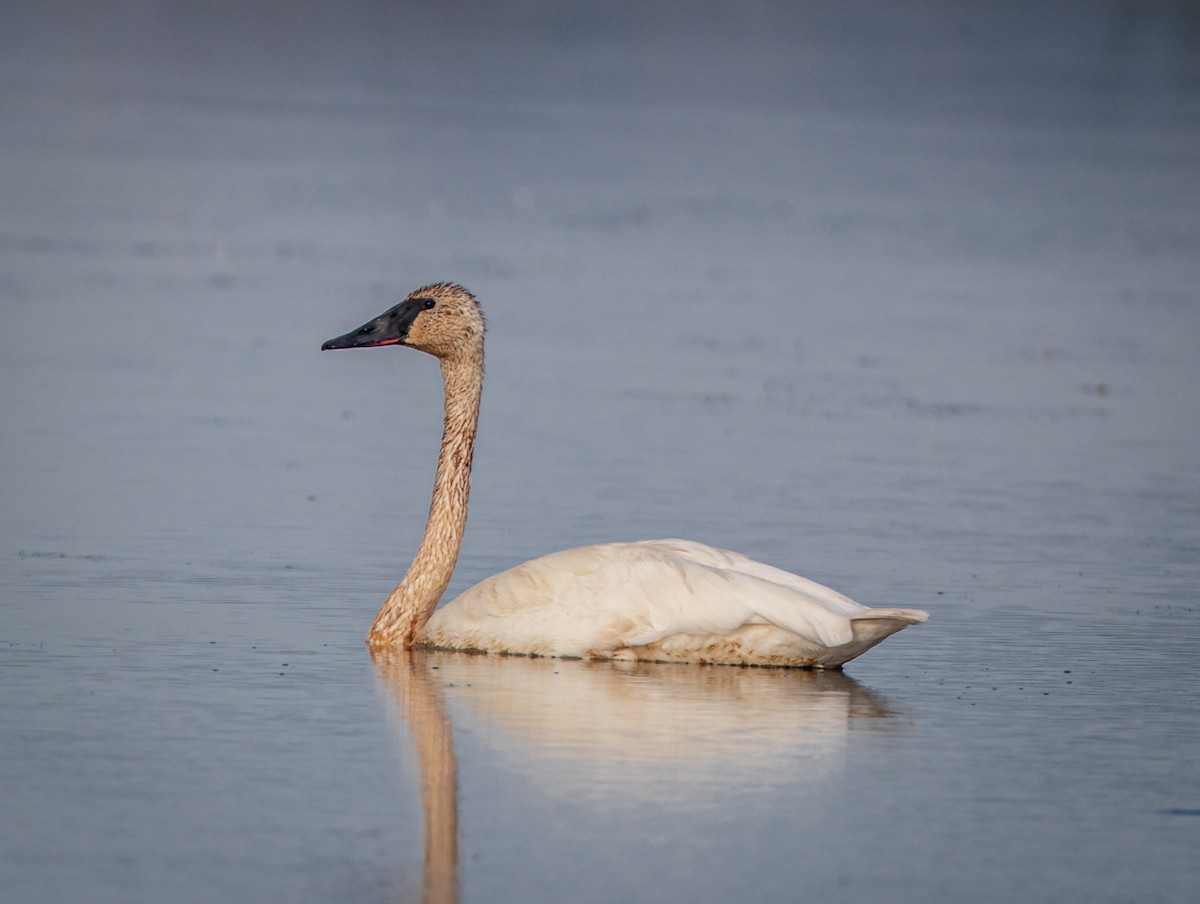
(429, 303)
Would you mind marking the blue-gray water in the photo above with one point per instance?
(903, 297)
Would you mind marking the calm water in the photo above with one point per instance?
(903, 297)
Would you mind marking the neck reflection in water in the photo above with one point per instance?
(418, 697)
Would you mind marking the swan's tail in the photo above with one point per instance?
(879, 623)
(869, 629)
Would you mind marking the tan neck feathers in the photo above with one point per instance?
(410, 605)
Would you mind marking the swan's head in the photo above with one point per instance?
(442, 319)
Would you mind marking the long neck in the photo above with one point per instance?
(409, 606)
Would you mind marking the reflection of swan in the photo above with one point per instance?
(420, 702)
(654, 600)
(635, 733)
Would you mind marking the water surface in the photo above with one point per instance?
(902, 299)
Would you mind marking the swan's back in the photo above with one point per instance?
(665, 600)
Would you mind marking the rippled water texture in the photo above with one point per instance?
(903, 297)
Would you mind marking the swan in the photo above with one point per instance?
(656, 600)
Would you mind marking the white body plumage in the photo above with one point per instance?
(662, 600)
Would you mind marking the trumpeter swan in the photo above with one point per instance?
(662, 600)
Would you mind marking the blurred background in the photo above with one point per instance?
(903, 297)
